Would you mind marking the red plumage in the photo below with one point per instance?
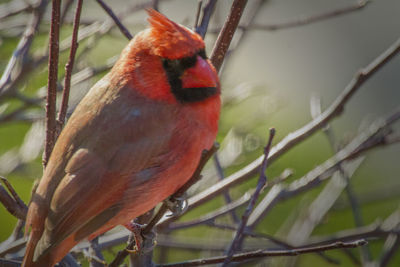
(135, 138)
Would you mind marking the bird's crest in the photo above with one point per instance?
(172, 40)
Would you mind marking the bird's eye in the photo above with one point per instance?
(172, 66)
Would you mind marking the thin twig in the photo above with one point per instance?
(52, 81)
(226, 34)
(207, 12)
(11, 201)
(121, 27)
(238, 239)
(68, 69)
(365, 141)
(301, 134)
(390, 248)
(227, 196)
(197, 17)
(316, 110)
(267, 253)
(311, 19)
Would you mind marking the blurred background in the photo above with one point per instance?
(268, 80)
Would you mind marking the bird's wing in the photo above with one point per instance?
(124, 136)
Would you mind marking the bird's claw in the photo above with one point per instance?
(144, 243)
(177, 205)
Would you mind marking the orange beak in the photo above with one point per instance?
(202, 74)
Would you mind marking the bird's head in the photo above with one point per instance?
(167, 62)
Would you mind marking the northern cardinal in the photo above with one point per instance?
(134, 139)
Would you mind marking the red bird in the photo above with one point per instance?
(134, 139)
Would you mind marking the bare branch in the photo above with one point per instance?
(227, 196)
(267, 253)
(68, 69)
(13, 202)
(368, 139)
(52, 81)
(309, 20)
(121, 27)
(301, 134)
(238, 239)
(225, 36)
(390, 247)
(207, 12)
(316, 111)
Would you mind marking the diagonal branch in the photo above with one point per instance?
(121, 27)
(301, 134)
(371, 138)
(11, 201)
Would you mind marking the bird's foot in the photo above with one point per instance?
(144, 243)
(177, 205)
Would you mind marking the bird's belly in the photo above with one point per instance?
(154, 185)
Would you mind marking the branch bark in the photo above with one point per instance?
(52, 81)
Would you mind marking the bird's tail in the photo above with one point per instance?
(30, 252)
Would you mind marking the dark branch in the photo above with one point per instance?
(68, 68)
(267, 253)
(52, 81)
(207, 12)
(226, 34)
(121, 27)
(11, 201)
(238, 239)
